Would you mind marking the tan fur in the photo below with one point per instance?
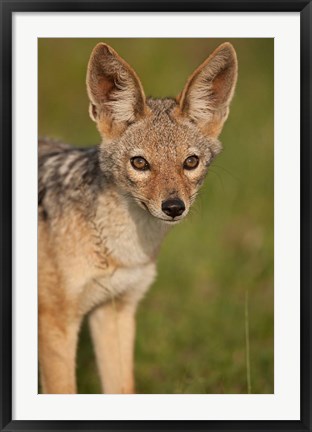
(101, 221)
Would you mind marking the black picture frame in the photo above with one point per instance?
(7, 9)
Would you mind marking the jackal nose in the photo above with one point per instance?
(173, 207)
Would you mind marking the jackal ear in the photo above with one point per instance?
(208, 92)
(115, 92)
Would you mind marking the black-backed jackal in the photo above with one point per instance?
(103, 212)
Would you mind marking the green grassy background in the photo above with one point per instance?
(191, 326)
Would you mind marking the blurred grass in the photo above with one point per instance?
(191, 328)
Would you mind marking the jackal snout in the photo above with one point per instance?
(173, 207)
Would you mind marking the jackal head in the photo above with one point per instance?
(158, 151)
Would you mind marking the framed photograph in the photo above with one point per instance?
(119, 121)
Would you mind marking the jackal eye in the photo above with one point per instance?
(191, 162)
(139, 163)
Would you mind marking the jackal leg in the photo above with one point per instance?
(113, 332)
(57, 351)
(58, 324)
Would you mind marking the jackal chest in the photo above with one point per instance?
(108, 256)
(131, 282)
(120, 265)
